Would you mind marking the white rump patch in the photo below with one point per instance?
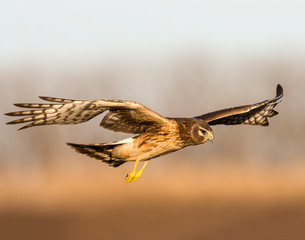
(126, 140)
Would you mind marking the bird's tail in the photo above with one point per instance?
(102, 151)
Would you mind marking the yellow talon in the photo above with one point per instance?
(129, 177)
(133, 176)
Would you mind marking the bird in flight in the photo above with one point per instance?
(155, 135)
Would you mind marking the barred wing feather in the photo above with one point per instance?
(123, 116)
(255, 114)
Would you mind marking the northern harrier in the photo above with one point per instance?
(156, 135)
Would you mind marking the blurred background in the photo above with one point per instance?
(181, 59)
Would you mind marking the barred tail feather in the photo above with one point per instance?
(102, 151)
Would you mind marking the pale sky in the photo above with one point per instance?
(83, 29)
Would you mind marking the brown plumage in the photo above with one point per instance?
(156, 135)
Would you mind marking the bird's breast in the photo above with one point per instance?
(156, 143)
(151, 144)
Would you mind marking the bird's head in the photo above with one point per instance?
(201, 132)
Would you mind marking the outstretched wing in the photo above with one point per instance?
(255, 114)
(123, 116)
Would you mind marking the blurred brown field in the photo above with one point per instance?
(248, 184)
(227, 202)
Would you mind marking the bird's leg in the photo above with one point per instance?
(134, 175)
(139, 173)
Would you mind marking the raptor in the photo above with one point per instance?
(155, 135)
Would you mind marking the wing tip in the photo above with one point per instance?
(45, 98)
(74, 146)
(9, 114)
(279, 91)
(14, 122)
(20, 105)
(70, 144)
(55, 99)
(24, 127)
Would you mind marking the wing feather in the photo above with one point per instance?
(135, 119)
(123, 116)
(255, 114)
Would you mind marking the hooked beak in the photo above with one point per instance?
(210, 136)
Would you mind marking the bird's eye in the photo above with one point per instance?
(203, 131)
